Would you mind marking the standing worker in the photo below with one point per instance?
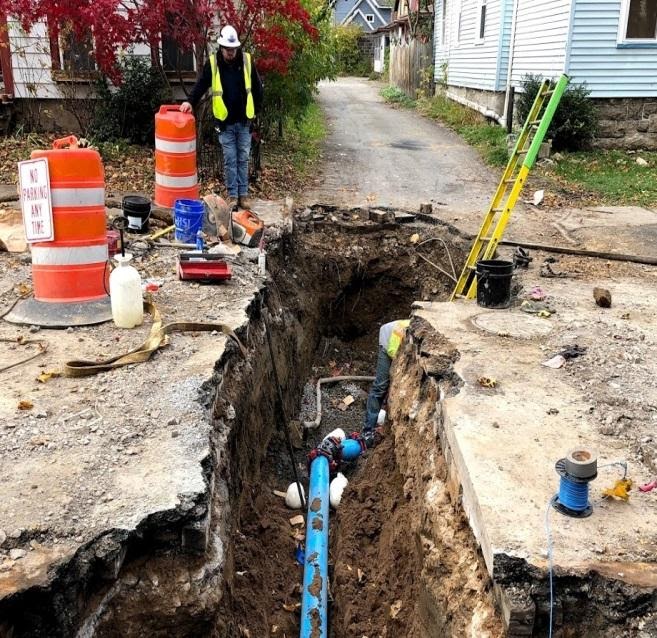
(236, 99)
(391, 336)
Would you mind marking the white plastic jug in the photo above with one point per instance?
(125, 294)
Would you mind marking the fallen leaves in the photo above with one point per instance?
(620, 490)
(44, 377)
(25, 404)
(487, 382)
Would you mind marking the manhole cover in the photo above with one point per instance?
(512, 324)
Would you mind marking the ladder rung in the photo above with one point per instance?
(550, 92)
(461, 296)
(535, 122)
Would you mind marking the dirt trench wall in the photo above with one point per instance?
(457, 596)
(455, 592)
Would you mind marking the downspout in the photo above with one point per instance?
(512, 46)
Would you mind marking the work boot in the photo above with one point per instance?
(245, 202)
(372, 437)
(232, 203)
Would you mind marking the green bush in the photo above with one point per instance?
(575, 123)
(349, 58)
(394, 95)
(126, 112)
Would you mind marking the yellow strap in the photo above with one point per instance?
(156, 339)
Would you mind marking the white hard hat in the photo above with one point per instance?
(228, 38)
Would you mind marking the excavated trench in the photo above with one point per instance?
(403, 562)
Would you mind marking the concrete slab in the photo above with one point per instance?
(621, 229)
(100, 456)
(505, 441)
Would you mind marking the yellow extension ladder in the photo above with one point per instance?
(520, 163)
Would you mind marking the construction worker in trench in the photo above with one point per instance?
(391, 336)
(236, 99)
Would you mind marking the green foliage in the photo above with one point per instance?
(575, 123)
(349, 59)
(127, 112)
(610, 177)
(288, 97)
(305, 136)
(488, 139)
(394, 95)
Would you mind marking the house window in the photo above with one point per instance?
(640, 20)
(482, 20)
(369, 17)
(71, 52)
(174, 58)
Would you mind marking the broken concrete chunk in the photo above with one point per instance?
(382, 216)
(602, 297)
(15, 554)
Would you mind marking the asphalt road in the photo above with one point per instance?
(376, 154)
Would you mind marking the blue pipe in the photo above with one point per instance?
(351, 449)
(314, 596)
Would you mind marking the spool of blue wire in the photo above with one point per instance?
(576, 470)
(574, 496)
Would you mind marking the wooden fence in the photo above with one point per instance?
(406, 63)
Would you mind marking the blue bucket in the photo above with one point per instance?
(188, 217)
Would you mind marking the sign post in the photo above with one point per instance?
(36, 201)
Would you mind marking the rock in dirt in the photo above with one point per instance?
(602, 297)
(15, 554)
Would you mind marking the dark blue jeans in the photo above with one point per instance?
(235, 142)
(379, 389)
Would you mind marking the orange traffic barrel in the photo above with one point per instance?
(70, 273)
(175, 156)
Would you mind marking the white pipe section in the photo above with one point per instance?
(476, 107)
(311, 425)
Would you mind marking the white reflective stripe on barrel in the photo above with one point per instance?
(68, 255)
(176, 182)
(166, 146)
(73, 197)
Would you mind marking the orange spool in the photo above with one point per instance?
(175, 156)
(70, 274)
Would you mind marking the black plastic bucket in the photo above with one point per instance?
(494, 283)
(137, 210)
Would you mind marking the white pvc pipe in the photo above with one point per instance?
(512, 46)
(476, 107)
(318, 419)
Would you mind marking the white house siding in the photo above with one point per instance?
(608, 71)
(32, 64)
(540, 40)
(473, 64)
(30, 60)
(505, 39)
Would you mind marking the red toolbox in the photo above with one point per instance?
(203, 267)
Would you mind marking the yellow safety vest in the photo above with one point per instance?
(218, 106)
(396, 338)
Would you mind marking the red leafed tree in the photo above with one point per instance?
(117, 24)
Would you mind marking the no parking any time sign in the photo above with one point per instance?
(36, 202)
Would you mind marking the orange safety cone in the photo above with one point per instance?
(70, 273)
(175, 156)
